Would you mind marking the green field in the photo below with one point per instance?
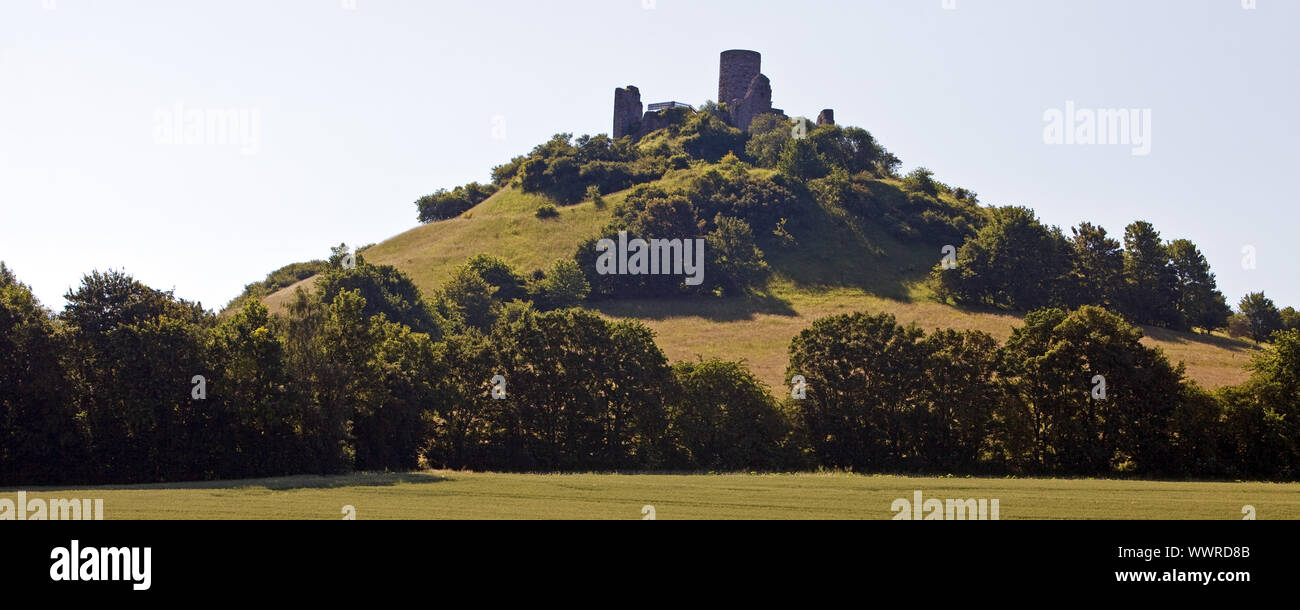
(465, 495)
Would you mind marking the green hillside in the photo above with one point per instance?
(841, 264)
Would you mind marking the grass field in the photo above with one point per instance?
(463, 495)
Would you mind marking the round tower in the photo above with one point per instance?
(739, 67)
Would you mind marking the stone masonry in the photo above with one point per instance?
(758, 100)
(627, 111)
(736, 74)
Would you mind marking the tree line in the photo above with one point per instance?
(132, 384)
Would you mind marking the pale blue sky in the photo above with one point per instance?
(362, 111)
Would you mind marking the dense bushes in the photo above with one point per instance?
(546, 211)
(707, 137)
(446, 204)
(768, 135)
(734, 192)
(915, 209)
(728, 208)
(564, 170)
(479, 290)
(385, 290)
(851, 149)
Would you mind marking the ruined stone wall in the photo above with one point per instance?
(627, 112)
(654, 121)
(827, 117)
(757, 100)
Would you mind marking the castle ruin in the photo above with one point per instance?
(743, 89)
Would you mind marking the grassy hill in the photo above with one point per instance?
(841, 265)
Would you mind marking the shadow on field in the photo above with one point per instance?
(715, 310)
(363, 479)
(1171, 336)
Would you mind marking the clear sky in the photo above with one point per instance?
(361, 111)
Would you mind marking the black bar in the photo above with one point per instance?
(942, 558)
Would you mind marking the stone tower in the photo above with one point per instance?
(738, 71)
(627, 111)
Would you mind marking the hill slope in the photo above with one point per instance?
(849, 267)
(504, 226)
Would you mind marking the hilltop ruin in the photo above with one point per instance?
(743, 90)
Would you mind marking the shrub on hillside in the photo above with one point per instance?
(500, 275)
(801, 161)
(921, 180)
(446, 204)
(705, 136)
(768, 135)
(564, 286)
(593, 195)
(736, 264)
(386, 290)
(547, 211)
